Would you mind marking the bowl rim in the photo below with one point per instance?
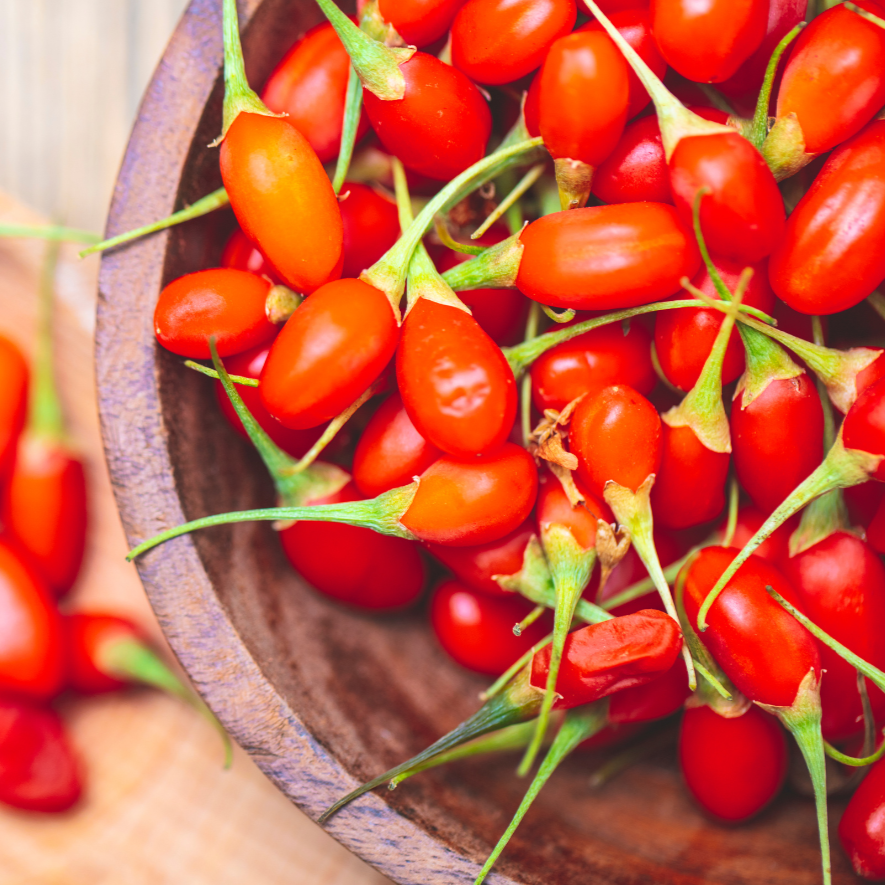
(135, 440)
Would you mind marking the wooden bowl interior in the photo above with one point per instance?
(370, 691)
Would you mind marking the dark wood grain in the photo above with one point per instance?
(322, 697)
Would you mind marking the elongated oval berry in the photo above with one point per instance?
(310, 86)
(379, 572)
(684, 337)
(477, 566)
(455, 383)
(832, 254)
(864, 425)
(283, 199)
(762, 648)
(419, 22)
(616, 435)
(476, 500)
(777, 440)
(756, 750)
(371, 226)
(636, 170)
(391, 451)
(330, 350)
(226, 303)
(742, 215)
(606, 257)
(707, 42)
(498, 41)
(601, 659)
(440, 126)
(862, 828)
(476, 630)
(583, 69)
(634, 25)
(834, 81)
(689, 486)
(587, 363)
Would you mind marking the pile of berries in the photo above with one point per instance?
(629, 257)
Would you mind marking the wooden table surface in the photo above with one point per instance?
(159, 808)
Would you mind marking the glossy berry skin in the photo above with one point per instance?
(224, 302)
(744, 85)
(87, 637)
(440, 126)
(777, 440)
(862, 828)
(587, 363)
(501, 313)
(634, 25)
(583, 69)
(601, 659)
(743, 215)
(840, 585)
(371, 226)
(763, 650)
(241, 253)
(616, 435)
(249, 364)
(379, 572)
(44, 509)
(454, 381)
(689, 487)
(419, 22)
(834, 80)
(832, 254)
(606, 257)
(499, 41)
(708, 42)
(13, 401)
(473, 501)
(39, 770)
(390, 451)
(283, 199)
(661, 697)
(310, 85)
(476, 630)
(31, 654)
(684, 337)
(756, 753)
(636, 170)
(477, 566)
(864, 425)
(555, 509)
(330, 350)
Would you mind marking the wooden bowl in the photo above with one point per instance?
(322, 697)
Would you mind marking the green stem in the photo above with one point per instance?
(133, 661)
(510, 200)
(521, 356)
(517, 704)
(570, 566)
(525, 390)
(377, 65)
(242, 380)
(381, 514)
(353, 104)
(646, 585)
(676, 120)
(877, 302)
(841, 468)
(874, 674)
(579, 725)
(496, 687)
(389, 273)
(205, 205)
(49, 232)
(875, 19)
(451, 243)
(528, 620)
(854, 761)
(239, 97)
(44, 411)
(734, 500)
(760, 117)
